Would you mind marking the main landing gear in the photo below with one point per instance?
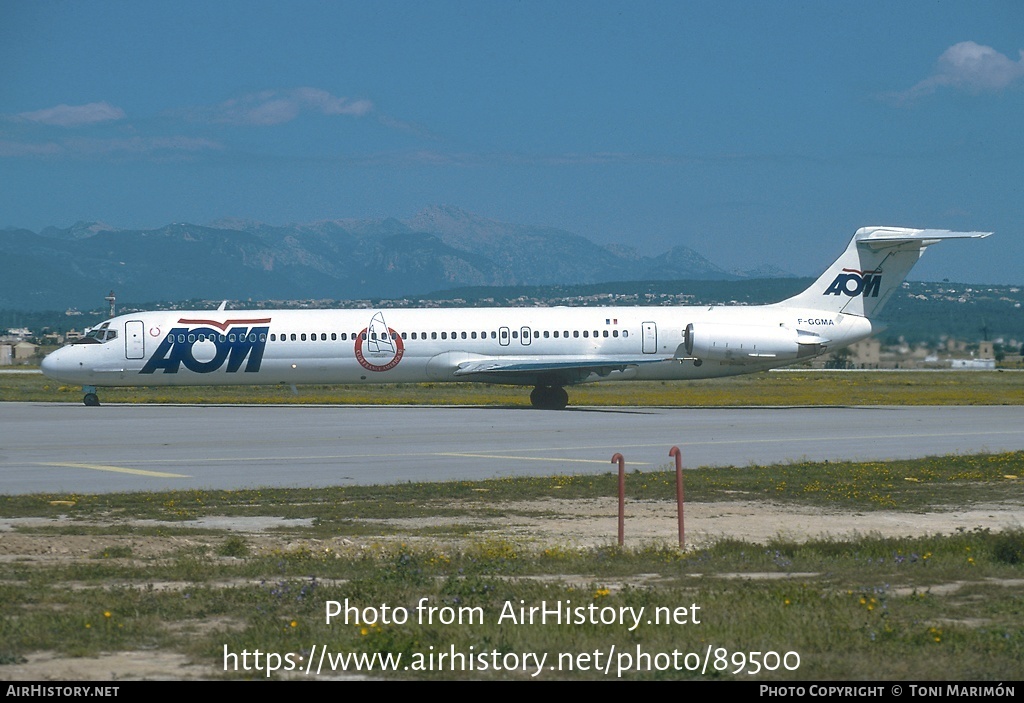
(549, 398)
(90, 398)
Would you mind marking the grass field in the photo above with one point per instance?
(774, 388)
(944, 606)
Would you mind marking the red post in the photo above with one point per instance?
(674, 452)
(622, 496)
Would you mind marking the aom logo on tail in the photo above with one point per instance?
(205, 349)
(853, 283)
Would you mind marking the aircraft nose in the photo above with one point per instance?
(53, 365)
(48, 363)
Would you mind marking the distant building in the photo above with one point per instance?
(866, 354)
(972, 364)
(24, 350)
(6, 354)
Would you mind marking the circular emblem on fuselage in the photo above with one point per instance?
(376, 351)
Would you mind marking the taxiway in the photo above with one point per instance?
(65, 448)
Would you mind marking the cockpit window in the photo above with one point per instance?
(98, 335)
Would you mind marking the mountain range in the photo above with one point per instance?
(439, 248)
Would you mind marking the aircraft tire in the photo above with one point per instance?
(549, 398)
(91, 399)
(560, 398)
(537, 396)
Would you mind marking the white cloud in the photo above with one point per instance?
(74, 115)
(81, 147)
(19, 149)
(271, 107)
(140, 146)
(969, 67)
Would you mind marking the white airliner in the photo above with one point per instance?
(547, 348)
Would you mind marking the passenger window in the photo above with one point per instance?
(303, 336)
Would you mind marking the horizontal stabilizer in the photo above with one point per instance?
(877, 237)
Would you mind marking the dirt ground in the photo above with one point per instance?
(577, 523)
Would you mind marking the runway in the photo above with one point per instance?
(65, 448)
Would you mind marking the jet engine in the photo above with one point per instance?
(710, 341)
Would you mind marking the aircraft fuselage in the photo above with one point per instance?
(548, 348)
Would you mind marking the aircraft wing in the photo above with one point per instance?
(555, 370)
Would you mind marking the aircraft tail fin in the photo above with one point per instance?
(875, 263)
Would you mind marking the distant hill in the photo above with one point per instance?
(438, 249)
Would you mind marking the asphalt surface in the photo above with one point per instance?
(70, 448)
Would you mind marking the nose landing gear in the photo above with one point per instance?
(90, 398)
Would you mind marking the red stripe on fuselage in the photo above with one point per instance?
(223, 326)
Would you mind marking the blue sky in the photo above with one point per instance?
(754, 132)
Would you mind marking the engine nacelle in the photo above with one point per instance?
(741, 344)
